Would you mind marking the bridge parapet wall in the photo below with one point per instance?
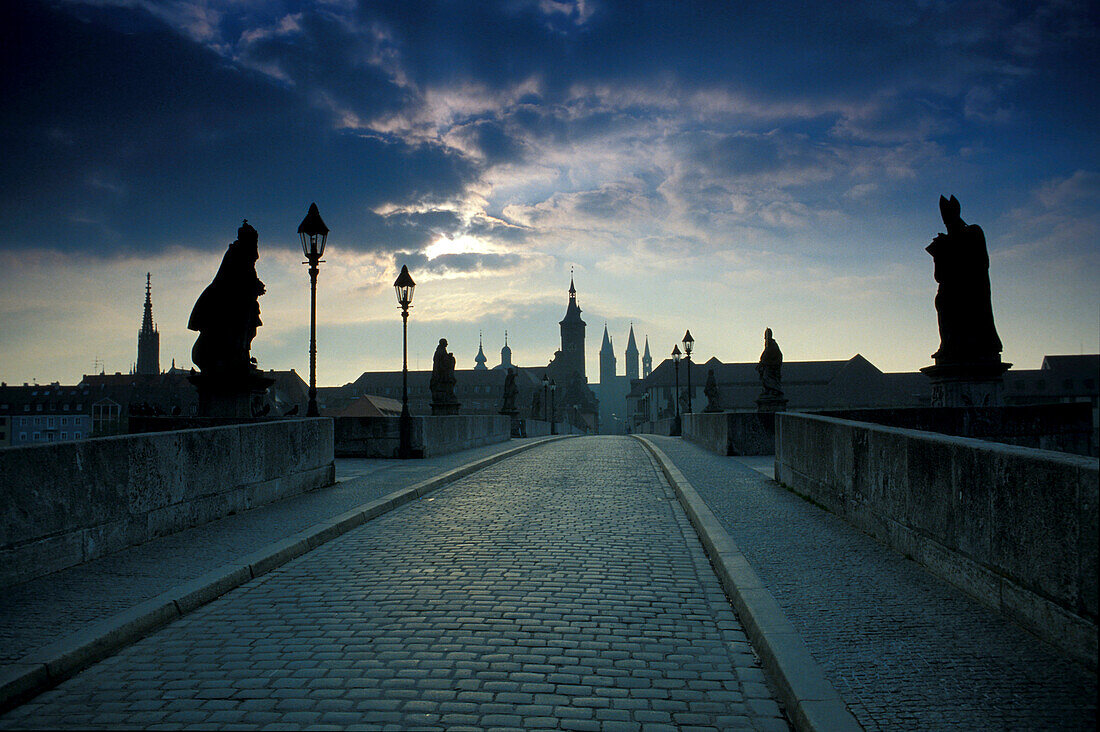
(71, 502)
(379, 437)
(1015, 527)
(741, 432)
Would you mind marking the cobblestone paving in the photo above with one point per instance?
(560, 589)
(48, 608)
(904, 649)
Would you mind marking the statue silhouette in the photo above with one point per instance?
(964, 308)
(227, 313)
(770, 367)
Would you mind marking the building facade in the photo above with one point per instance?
(42, 413)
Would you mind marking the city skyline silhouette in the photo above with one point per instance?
(708, 167)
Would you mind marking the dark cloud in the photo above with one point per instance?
(492, 142)
(466, 262)
(406, 230)
(177, 138)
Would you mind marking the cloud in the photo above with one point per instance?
(464, 263)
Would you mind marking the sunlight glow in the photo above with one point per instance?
(463, 244)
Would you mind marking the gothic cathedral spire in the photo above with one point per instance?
(148, 361)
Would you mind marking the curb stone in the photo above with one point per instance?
(811, 701)
(51, 664)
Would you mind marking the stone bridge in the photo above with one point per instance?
(595, 582)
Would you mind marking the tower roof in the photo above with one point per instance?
(631, 345)
(480, 359)
(147, 325)
(606, 347)
(572, 311)
(646, 354)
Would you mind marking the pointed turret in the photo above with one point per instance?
(607, 359)
(148, 361)
(572, 337)
(647, 360)
(631, 356)
(479, 359)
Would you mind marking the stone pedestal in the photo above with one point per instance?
(445, 409)
(974, 384)
(771, 403)
(519, 426)
(230, 398)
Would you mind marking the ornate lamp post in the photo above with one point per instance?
(545, 397)
(676, 394)
(403, 286)
(314, 234)
(689, 342)
(553, 421)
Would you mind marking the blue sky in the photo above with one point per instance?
(723, 167)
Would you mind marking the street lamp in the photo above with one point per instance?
(689, 342)
(403, 286)
(314, 234)
(553, 422)
(676, 394)
(545, 397)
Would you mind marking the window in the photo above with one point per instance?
(26, 407)
(22, 421)
(64, 435)
(38, 421)
(64, 421)
(22, 436)
(50, 436)
(37, 436)
(66, 407)
(76, 435)
(38, 407)
(50, 421)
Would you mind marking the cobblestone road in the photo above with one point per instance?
(562, 588)
(903, 648)
(48, 608)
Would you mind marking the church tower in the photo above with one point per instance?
(572, 337)
(647, 360)
(479, 359)
(148, 360)
(607, 363)
(631, 356)
(505, 354)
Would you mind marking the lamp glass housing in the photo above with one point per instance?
(689, 342)
(676, 353)
(404, 286)
(314, 234)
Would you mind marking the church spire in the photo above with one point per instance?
(631, 356)
(647, 360)
(505, 354)
(479, 359)
(148, 361)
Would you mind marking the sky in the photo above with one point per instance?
(719, 167)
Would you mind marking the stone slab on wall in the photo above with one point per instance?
(742, 432)
(447, 434)
(1065, 427)
(658, 427)
(71, 502)
(379, 437)
(1015, 527)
